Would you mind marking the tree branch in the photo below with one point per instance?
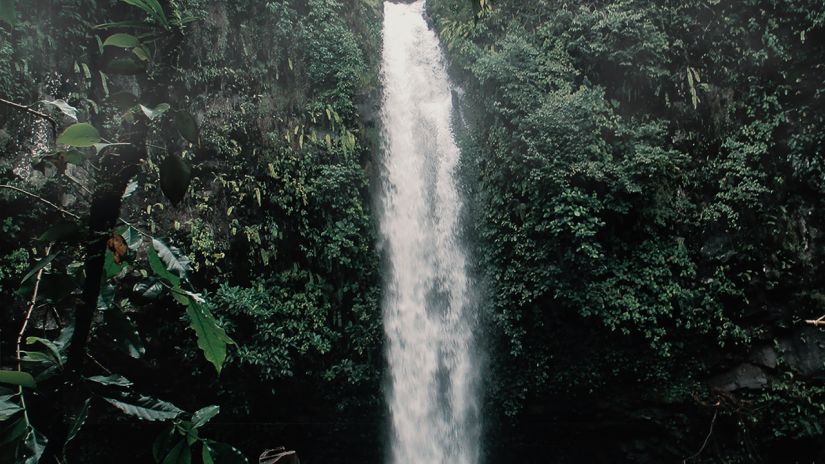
(31, 111)
(38, 197)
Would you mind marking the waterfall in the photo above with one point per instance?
(428, 316)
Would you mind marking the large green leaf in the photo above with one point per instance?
(159, 268)
(110, 267)
(222, 453)
(144, 407)
(172, 258)
(121, 40)
(187, 126)
(180, 454)
(212, 339)
(81, 134)
(204, 415)
(37, 267)
(79, 419)
(112, 380)
(34, 444)
(23, 379)
(175, 175)
(9, 406)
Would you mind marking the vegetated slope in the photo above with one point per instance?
(647, 187)
(276, 222)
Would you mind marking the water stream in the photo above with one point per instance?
(428, 315)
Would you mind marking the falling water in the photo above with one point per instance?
(427, 313)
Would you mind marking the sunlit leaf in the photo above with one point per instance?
(63, 107)
(81, 134)
(40, 265)
(156, 112)
(144, 407)
(212, 338)
(121, 40)
(204, 415)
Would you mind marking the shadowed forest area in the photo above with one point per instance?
(189, 269)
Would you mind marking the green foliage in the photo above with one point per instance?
(642, 179)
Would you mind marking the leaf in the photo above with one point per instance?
(131, 188)
(9, 406)
(63, 230)
(206, 454)
(212, 339)
(180, 454)
(54, 350)
(204, 415)
(64, 107)
(174, 260)
(160, 269)
(121, 40)
(123, 332)
(156, 112)
(110, 267)
(131, 235)
(180, 295)
(163, 443)
(35, 442)
(81, 134)
(111, 380)
(14, 432)
(144, 407)
(153, 9)
(37, 267)
(141, 52)
(175, 175)
(150, 289)
(187, 126)
(99, 147)
(8, 13)
(125, 65)
(23, 379)
(79, 420)
(223, 453)
(106, 298)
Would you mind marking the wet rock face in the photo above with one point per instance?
(803, 352)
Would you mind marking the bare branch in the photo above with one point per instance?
(31, 111)
(29, 311)
(38, 197)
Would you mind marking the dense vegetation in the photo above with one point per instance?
(232, 201)
(647, 186)
(187, 237)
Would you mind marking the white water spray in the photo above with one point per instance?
(428, 317)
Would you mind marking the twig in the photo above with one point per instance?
(23, 331)
(707, 438)
(29, 310)
(816, 322)
(31, 111)
(38, 197)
